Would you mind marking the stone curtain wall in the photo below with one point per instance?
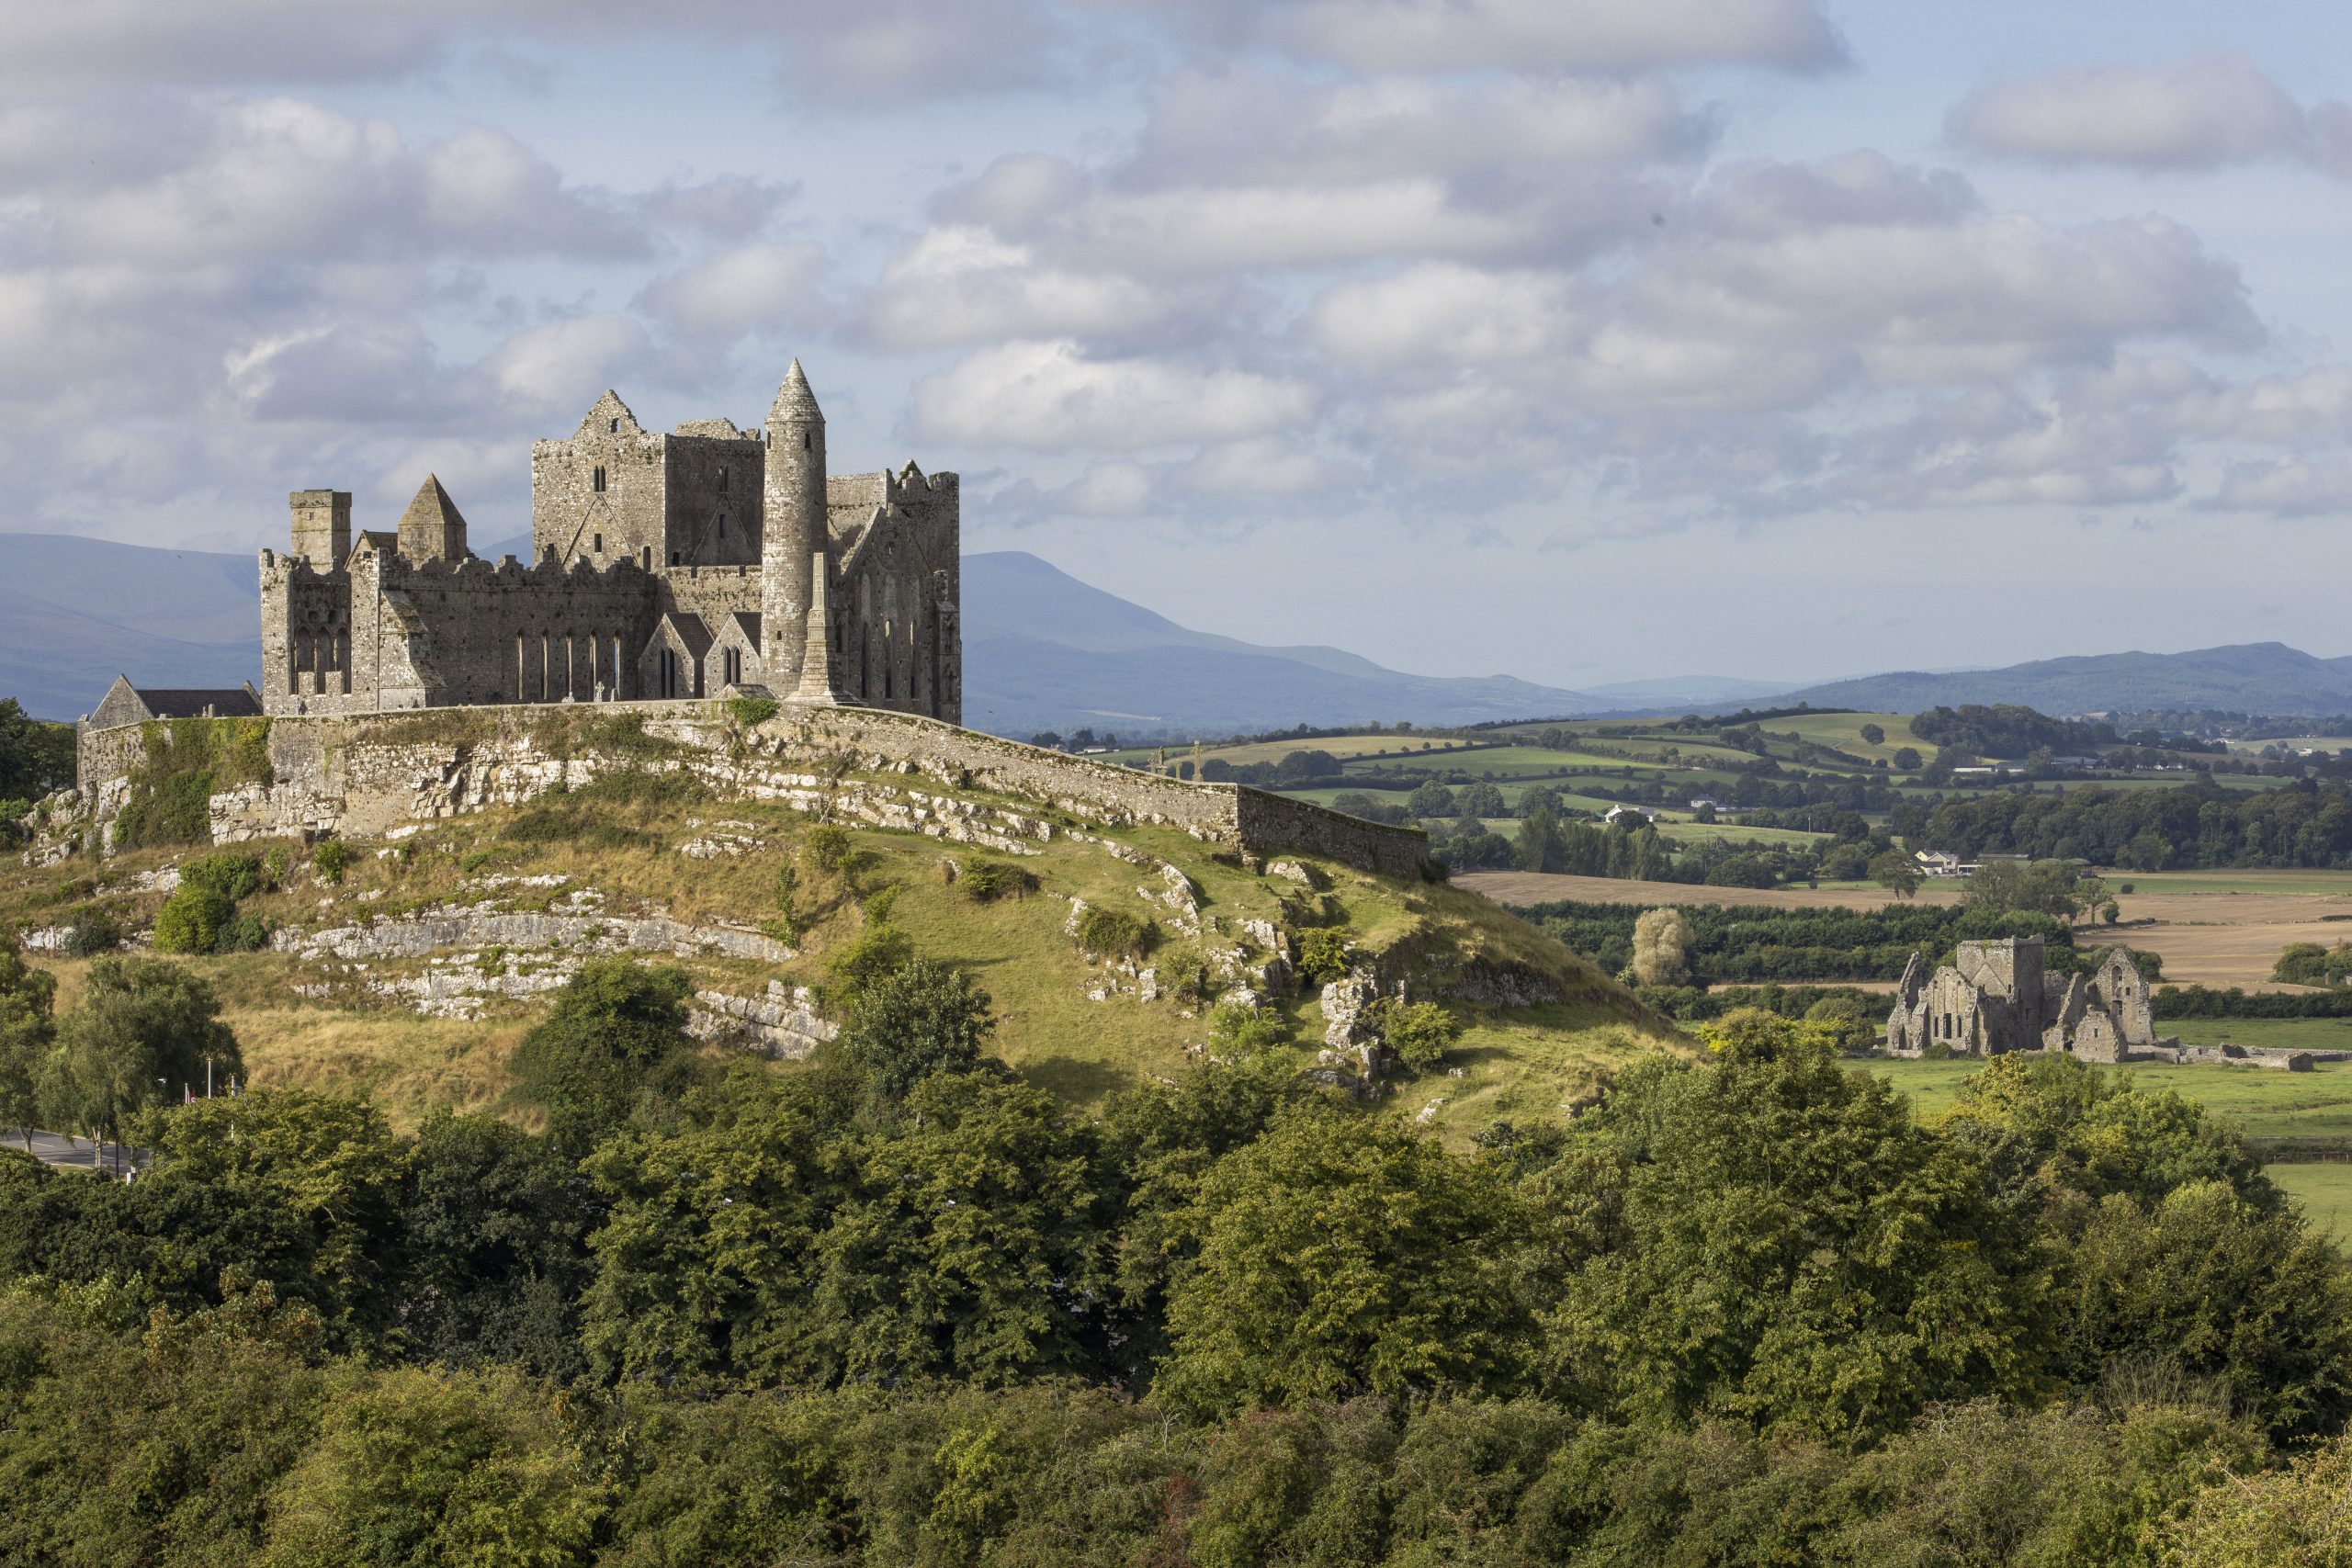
(1277, 821)
(363, 774)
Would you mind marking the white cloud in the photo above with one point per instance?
(2287, 487)
(1443, 312)
(2203, 113)
(1243, 127)
(743, 291)
(280, 181)
(1563, 35)
(958, 284)
(842, 54)
(1264, 466)
(1048, 397)
(563, 364)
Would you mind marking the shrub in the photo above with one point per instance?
(331, 860)
(749, 711)
(919, 1019)
(193, 919)
(276, 864)
(246, 933)
(616, 1033)
(1113, 934)
(92, 929)
(827, 847)
(232, 876)
(872, 956)
(1323, 956)
(1420, 1033)
(1238, 1031)
(986, 880)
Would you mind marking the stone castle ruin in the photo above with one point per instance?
(667, 570)
(690, 564)
(1996, 997)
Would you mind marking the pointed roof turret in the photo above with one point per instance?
(794, 399)
(433, 529)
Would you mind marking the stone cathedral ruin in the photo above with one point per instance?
(662, 566)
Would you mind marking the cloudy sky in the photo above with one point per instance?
(1582, 340)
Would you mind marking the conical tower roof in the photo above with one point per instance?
(432, 508)
(794, 401)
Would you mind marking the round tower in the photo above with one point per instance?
(792, 526)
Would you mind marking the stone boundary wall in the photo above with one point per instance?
(365, 774)
(100, 755)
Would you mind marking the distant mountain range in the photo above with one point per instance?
(2256, 677)
(1043, 651)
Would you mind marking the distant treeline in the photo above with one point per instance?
(2198, 825)
(2201, 1001)
(1738, 945)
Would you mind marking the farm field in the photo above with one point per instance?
(2284, 1034)
(2323, 1188)
(2242, 883)
(1524, 888)
(2215, 930)
(2261, 1102)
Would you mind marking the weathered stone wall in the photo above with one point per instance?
(1277, 821)
(363, 774)
(100, 755)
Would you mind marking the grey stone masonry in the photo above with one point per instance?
(663, 566)
(365, 774)
(1994, 997)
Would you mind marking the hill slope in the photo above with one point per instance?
(2261, 677)
(74, 613)
(416, 975)
(1043, 651)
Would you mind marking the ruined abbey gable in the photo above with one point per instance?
(663, 565)
(1996, 997)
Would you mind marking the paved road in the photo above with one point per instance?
(56, 1149)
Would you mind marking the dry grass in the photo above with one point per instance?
(626, 845)
(408, 1066)
(1522, 888)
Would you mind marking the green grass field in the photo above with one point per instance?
(2287, 1033)
(1693, 832)
(2324, 1191)
(2259, 1101)
(2315, 882)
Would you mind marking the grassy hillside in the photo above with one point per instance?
(1070, 1023)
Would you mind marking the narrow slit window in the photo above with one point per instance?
(722, 524)
(722, 476)
(596, 545)
(597, 478)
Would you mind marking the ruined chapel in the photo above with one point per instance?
(1996, 997)
(685, 564)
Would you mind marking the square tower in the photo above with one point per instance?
(322, 527)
